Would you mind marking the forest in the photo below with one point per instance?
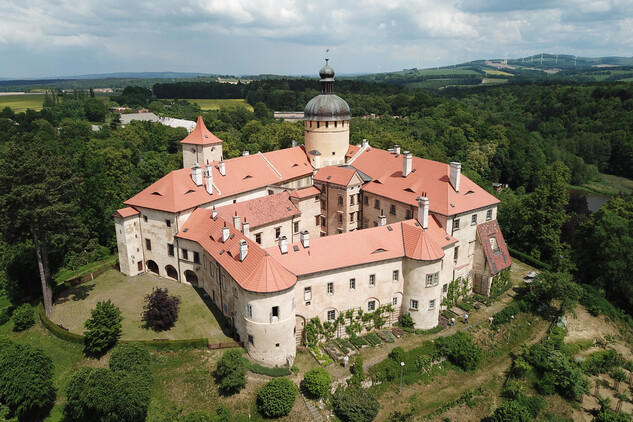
(61, 180)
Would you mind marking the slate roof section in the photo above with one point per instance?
(126, 212)
(261, 211)
(430, 177)
(259, 272)
(498, 259)
(201, 135)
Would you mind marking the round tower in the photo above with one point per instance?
(326, 120)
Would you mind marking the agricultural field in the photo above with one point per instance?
(20, 102)
(498, 73)
(215, 104)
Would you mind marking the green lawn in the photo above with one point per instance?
(22, 102)
(609, 185)
(195, 319)
(214, 104)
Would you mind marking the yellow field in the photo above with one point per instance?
(212, 104)
(498, 72)
(21, 102)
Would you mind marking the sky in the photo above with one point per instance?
(50, 38)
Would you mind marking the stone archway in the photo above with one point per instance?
(171, 272)
(191, 278)
(153, 267)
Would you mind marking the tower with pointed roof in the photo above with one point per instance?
(201, 146)
(326, 122)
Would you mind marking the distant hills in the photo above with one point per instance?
(541, 67)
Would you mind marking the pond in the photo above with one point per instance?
(594, 200)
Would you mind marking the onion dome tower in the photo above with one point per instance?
(326, 120)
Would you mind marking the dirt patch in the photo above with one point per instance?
(585, 326)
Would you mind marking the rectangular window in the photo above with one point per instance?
(277, 232)
(392, 209)
(168, 223)
(331, 315)
(323, 221)
(307, 293)
(372, 280)
(322, 204)
(340, 218)
(196, 257)
(431, 304)
(414, 304)
(455, 254)
(489, 215)
(317, 220)
(251, 340)
(377, 204)
(396, 275)
(456, 224)
(249, 311)
(170, 249)
(366, 200)
(258, 238)
(351, 217)
(340, 200)
(371, 306)
(330, 288)
(275, 312)
(145, 218)
(351, 199)
(352, 284)
(444, 288)
(394, 300)
(185, 254)
(432, 279)
(473, 220)
(295, 227)
(409, 215)
(235, 292)
(148, 244)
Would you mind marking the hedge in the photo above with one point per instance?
(529, 259)
(277, 371)
(156, 344)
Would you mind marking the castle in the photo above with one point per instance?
(278, 238)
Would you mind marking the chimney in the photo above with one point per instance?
(456, 170)
(396, 149)
(423, 211)
(236, 221)
(407, 163)
(382, 219)
(214, 213)
(196, 174)
(365, 143)
(246, 228)
(243, 249)
(294, 143)
(305, 238)
(283, 245)
(225, 233)
(222, 168)
(244, 153)
(208, 177)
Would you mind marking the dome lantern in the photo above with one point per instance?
(327, 106)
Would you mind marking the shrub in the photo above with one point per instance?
(358, 372)
(520, 367)
(460, 350)
(5, 315)
(406, 321)
(104, 328)
(129, 357)
(505, 315)
(161, 310)
(23, 317)
(231, 372)
(26, 380)
(317, 382)
(512, 391)
(276, 398)
(534, 405)
(511, 411)
(355, 404)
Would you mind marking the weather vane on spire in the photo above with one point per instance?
(327, 50)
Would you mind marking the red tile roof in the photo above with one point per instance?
(498, 259)
(305, 192)
(290, 162)
(258, 273)
(364, 246)
(200, 135)
(431, 177)
(261, 211)
(337, 175)
(126, 212)
(353, 149)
